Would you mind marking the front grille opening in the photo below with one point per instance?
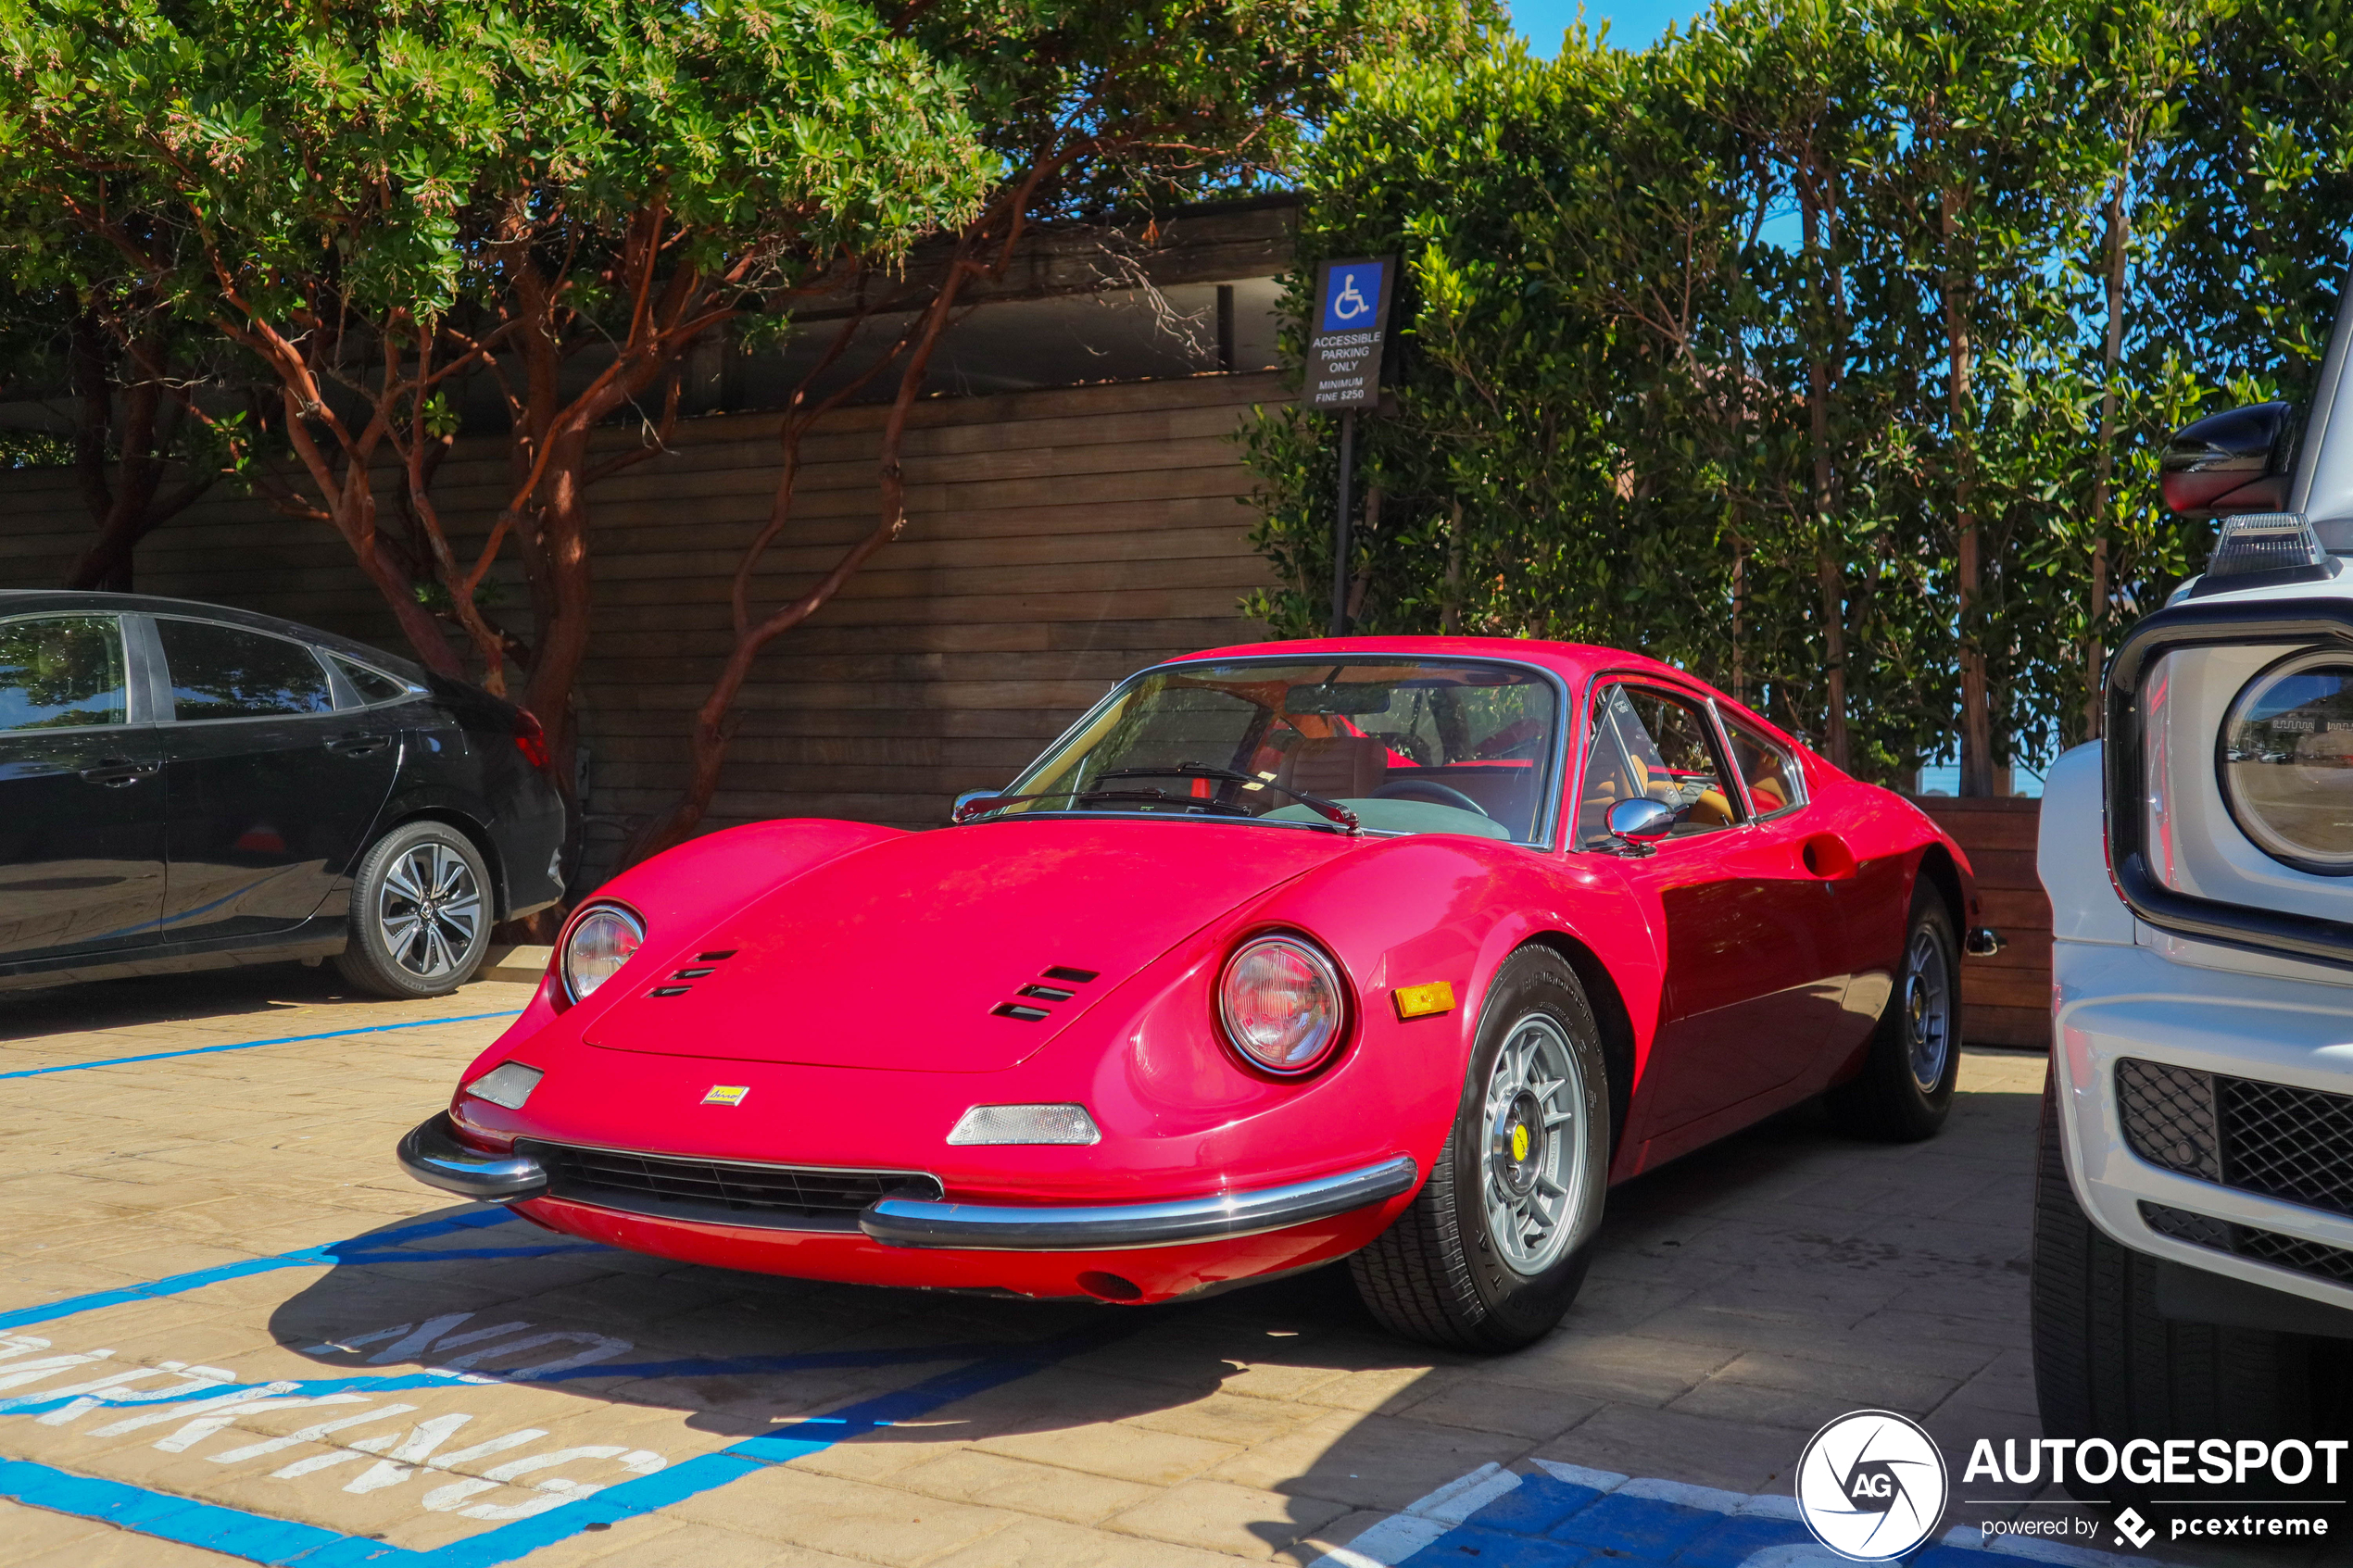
(721, 1192)
(2278, 1141)
(2316, 1259)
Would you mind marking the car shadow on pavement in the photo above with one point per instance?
(1737, 1300)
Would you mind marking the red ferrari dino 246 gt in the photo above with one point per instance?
(1396, 949)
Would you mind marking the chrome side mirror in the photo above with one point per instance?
(956, 812)
(1638, 824)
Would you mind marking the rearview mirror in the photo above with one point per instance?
(2232, 462)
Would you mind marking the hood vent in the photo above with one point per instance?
(704, 964)
(1029, 1011)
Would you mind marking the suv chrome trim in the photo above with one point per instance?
(898, 1222)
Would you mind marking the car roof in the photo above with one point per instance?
(21, 601)
(1573, 662)
(1570, 661)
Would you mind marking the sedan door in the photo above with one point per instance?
(271, 791)
(1750, 976)
(82, 792)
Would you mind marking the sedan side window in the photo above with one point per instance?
(1648, 745)
(61, 671)
(223, 673)
(1774, 783)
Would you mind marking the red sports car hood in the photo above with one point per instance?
(895, 956)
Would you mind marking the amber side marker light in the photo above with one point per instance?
(1421, 1001)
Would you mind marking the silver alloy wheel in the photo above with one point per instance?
(428, 911)
(1928, 1010)
(1532, 1146)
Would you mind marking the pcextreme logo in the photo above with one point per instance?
(1871, 1485)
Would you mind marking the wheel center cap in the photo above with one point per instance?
(1519, 1145)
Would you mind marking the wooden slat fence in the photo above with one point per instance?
(2006, 1001)
(1056, 541)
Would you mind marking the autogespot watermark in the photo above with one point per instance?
(1872, 1485)
(2293, 1467)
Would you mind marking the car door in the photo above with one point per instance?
(272, 790)
(81, 791)
(1747, 969)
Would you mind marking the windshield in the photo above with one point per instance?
(1408, 746)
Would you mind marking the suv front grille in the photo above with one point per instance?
(2294, 1145)
(797, 1198)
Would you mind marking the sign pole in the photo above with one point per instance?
(1339, 523)
(1344, 352)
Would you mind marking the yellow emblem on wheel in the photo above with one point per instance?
(1519, 1141)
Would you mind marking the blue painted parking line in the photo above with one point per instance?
(260, 1539)
(1568, 1516)
(249, 1045)
(382, 1247)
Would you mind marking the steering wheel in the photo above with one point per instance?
(1429, 792)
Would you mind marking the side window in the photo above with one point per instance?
(1647, 745)
(61, 671)
(373, 685)
(1774, 782)
(222, 673)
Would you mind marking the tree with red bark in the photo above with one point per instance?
(379, 202)
(1092, 110)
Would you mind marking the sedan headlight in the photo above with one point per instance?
(596, 948)
(1279, 999)
(2287, 763)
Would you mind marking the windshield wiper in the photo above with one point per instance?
(987, 804)
(1330, 809)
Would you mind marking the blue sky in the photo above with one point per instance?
(1632, 23)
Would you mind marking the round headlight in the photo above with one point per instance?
(598, 944)
(1280, 1002)
(2287, 762)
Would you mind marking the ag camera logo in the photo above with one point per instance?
(1871, 1485)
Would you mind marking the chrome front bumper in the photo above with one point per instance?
(906, 1221)
(433, 1154)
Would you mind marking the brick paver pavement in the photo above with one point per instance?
(441, 1386)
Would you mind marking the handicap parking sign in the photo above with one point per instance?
(1351, 294)
(1345, 349)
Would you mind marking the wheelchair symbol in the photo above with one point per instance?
(1348, 304)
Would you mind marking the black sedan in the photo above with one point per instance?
(184, 785)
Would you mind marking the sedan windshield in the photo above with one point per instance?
(1403, 745)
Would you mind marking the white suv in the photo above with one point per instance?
(2194, 1229)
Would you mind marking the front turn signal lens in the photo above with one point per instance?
(596, 948)
(1024, 1123)
(1279, 1000)
(509, 1084)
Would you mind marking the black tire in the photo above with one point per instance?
(1903, 1093)
(406, 948)
(1438, 1275)
(2108, 1364)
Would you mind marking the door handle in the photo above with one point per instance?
(358, 746)
(116, 772)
